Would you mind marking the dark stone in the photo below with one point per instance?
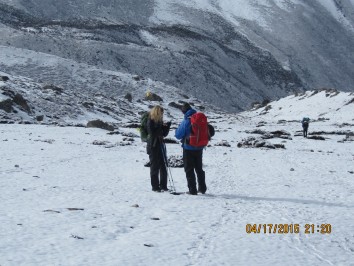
(340, 132)
(279, 146)
(4, 78)
(108, 108)
(137, 77)
(88, 105)
(100, 124)
(103, 111)
(132, 125)
(40, 118)
(316, 137)
(273, 134)
(19, 100)
(130, 135)
(6, 105)
(129, 97)
(252, 142)
(8, 92)
(150, 96)
(116, 132)
(267, 108)
(256, 105)
(128, 139)
(54, 88)
(223, 143)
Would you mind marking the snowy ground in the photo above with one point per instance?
(46, 170)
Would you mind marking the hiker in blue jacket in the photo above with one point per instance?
(192, 156)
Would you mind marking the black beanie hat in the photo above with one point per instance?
(186, 107)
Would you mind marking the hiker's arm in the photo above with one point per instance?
(181, 130)
(166, 129)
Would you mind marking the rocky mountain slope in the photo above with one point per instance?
(228, 53)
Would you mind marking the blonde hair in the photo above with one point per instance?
(156, 114)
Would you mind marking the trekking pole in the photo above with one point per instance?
(170, 179)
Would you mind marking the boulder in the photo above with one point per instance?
(22, 102)
(150, 96)
(6, 105)
(100, 124)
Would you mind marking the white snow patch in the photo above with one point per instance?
(168, 12)
(323, 104)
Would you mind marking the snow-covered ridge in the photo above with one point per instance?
(326, 104)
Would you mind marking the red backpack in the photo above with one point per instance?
(199, 132)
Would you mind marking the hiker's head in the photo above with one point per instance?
(185, 107)
(156, 113)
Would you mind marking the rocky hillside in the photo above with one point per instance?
(228, 53)
(23, 100)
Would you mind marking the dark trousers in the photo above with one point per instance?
(157, 166)
(305, 128)
(193, 161)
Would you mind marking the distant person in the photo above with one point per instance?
(192, 155)
(305, 125)
(157, 130)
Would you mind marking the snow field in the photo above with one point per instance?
(60, 168)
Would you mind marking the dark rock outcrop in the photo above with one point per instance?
(253, 142)
(150, 96)
(100, 124)
(6, 105)
(4, 78)
(22, 103)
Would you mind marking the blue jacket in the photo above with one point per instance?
(184, 130)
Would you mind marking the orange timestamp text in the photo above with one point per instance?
(288, 228)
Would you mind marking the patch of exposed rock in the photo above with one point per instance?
(253, 142)
(272, 134)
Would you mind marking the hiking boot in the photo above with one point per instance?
(202, 190)
(156, 190)
(191, 193)
(165, 189)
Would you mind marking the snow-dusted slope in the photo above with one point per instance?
(253, 10)
(81, 93)
(242, 51)
(313, 38)
(326, 105)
